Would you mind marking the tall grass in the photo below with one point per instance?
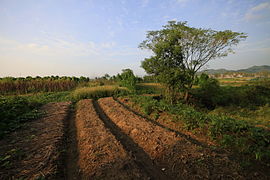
(10, 85)
(98, 92)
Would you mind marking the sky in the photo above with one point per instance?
(94, 37)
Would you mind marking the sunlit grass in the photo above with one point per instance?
(98, 92)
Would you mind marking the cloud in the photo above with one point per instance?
(259, 11)
(64, 56)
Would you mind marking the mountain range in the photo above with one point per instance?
(253, 69)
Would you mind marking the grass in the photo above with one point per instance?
(239, 135)
(98, 92)
(16, 110)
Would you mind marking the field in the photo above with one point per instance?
(99, 131)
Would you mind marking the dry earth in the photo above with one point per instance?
(101, 156)
(106, 140)
(34, 150)
(178, 156)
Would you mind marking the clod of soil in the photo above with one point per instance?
(101, 156)
(34, 151)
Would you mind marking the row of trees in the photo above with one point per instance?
(181, 51)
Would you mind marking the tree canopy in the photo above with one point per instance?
(180, 51)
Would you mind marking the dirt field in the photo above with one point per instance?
(106, 140)
(34, 151)
(101, 156)
(177, 156)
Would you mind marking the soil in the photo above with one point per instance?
(252, 170)
(106, 139)
(101, 156)
(35, 150)
(179, 157)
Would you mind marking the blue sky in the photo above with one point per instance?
(94, 37)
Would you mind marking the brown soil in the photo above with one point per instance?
(178, 156)
(101, 156)
(34, 150)
(256, 170)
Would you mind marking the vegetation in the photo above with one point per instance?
(16, 110)
(180, 51)
(127, 79)
(10, 85)
(98, 92)
(239, 135)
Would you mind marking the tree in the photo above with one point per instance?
(180, 51)
(127, 79)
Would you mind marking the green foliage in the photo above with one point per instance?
(239, 135)
(98, 92)
(180, 51)
(128, 79)
(209, 91)
(14, 111)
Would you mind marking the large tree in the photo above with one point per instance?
(179, 51)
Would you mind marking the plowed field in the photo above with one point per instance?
(105, 140)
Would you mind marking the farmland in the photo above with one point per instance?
(102, 130)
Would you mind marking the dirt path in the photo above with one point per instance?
(176, 155)
(101, 156)
(34, 151)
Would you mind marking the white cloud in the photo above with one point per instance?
(54, 55)
(259, 11)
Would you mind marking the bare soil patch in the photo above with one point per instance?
(255, 170)
(35, 150)
(178, 156)
(101, 156)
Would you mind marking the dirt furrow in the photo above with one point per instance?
(140, 157)
(34, 151)
(176, 156)
(101, 156)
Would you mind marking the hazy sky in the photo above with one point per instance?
(94, 37)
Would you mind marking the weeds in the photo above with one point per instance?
(98, 92)
(238, 135)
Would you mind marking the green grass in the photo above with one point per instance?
(239, 135)
(16, 110)
(98, 92)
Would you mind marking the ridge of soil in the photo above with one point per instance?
(140, 157)
(177, 156)
(34, 151)
(101, 156)
(256, 170)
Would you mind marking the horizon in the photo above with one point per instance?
(91, 38)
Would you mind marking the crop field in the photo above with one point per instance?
(105, 131)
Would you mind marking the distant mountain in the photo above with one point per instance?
(253, 69)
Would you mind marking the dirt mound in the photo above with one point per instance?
(175, 155)
(101, 156)
(33, 151)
